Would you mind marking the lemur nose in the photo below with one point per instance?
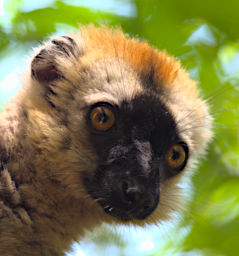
(137, 200)
(131, 194)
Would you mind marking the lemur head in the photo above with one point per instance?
(117, 121)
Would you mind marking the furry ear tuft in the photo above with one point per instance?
(44, 66)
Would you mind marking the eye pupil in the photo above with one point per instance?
(102, 117)
(175, 155)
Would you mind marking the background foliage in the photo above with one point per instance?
(204, 36)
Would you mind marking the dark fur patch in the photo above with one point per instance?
(147, 79)
(133, 157)
(64, 48)
(145, 118)
(69, 48)
(3, 154)
(47, 98)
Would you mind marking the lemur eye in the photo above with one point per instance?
(102, 117)
(177, 156)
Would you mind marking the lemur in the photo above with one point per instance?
(102, 130)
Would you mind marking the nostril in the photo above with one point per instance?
(133, 195)
(124, 186)
(146, 207)
(130, 194)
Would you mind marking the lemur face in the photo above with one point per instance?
(139, 147)
(132, 116)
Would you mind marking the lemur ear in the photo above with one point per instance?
(45, 65)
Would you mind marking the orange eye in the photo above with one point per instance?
(176, 156)
(102, 117)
